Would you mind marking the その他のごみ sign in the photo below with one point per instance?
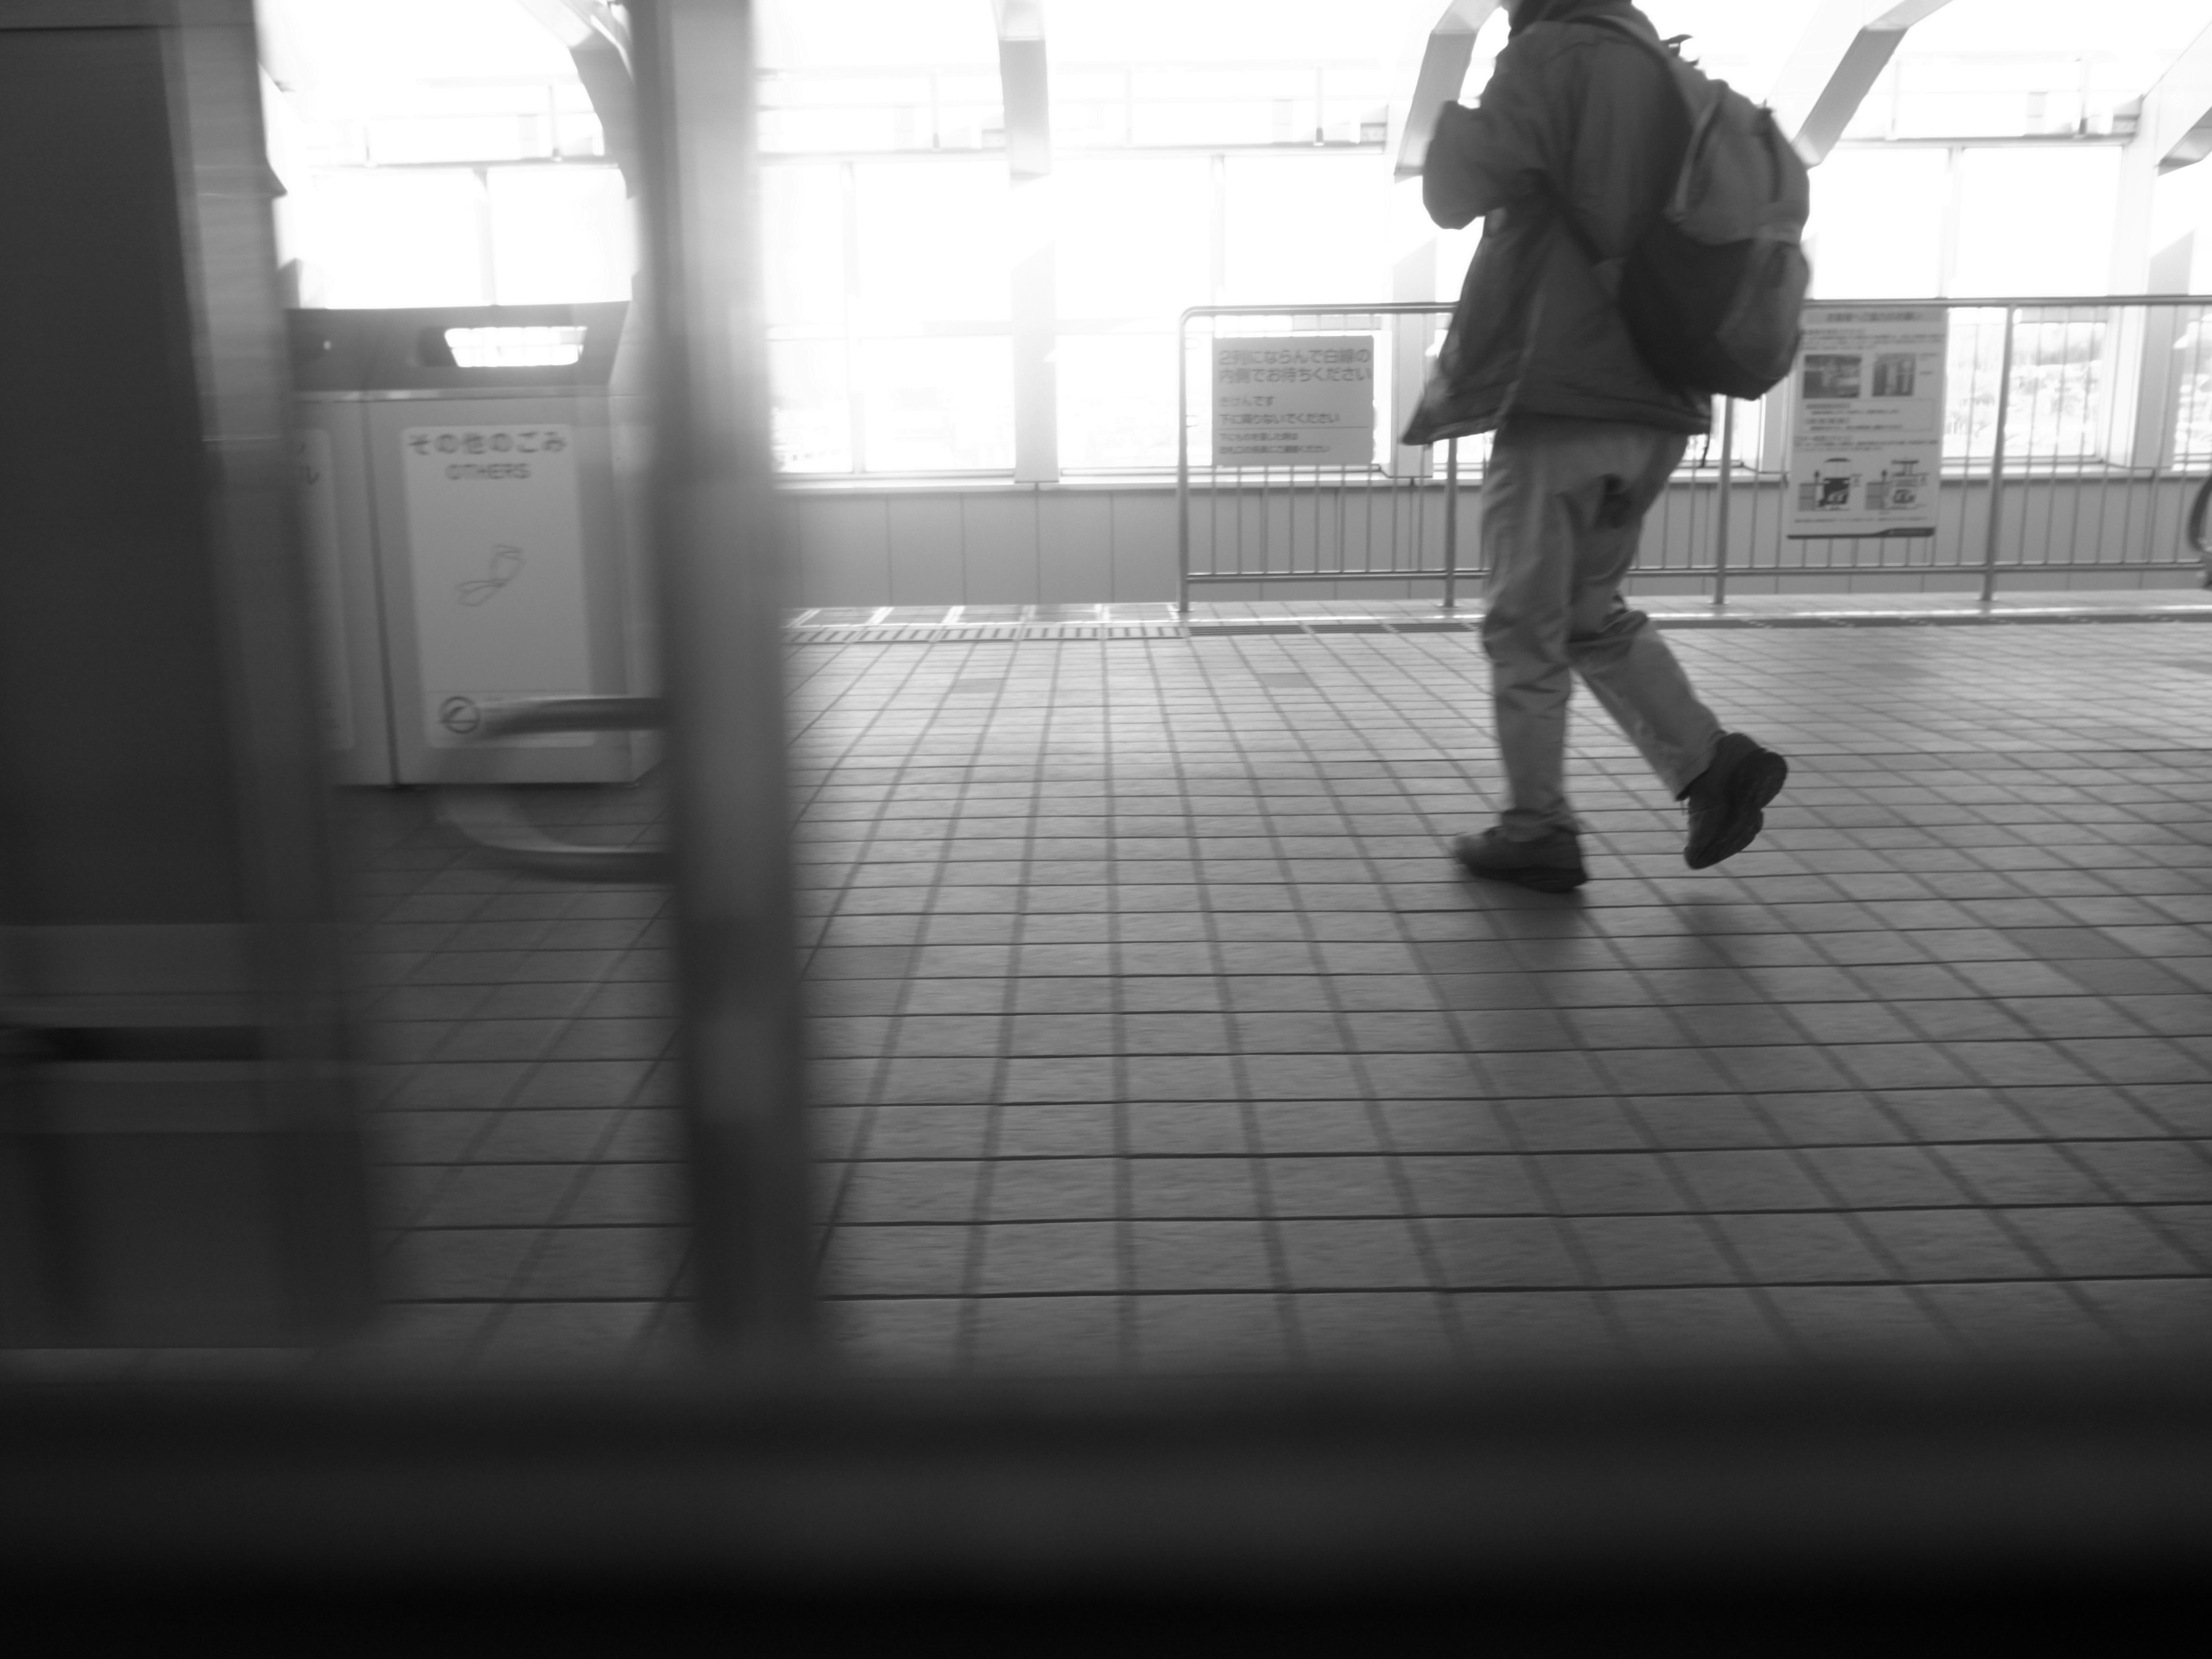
(496, 546)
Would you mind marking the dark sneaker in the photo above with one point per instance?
(1554, 865)
(1727, 803)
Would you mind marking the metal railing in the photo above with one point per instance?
(2076, 431)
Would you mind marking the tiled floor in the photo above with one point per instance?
(1154, 1033)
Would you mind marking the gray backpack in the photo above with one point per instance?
(1713, 292)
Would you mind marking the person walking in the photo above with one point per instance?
(1569, 159)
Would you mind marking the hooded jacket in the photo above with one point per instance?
(1574, 116)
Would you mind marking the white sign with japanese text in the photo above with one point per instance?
(495, 539)
(1866, 430)
(1294, 400)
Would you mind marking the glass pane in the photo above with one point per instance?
(803, 226)
(386, 46)
(2060, 400)
(2059, 384)
(2015, 67)
(2037, 221)
(397, 238)
(1235, 31)
(1274, 104)
(899, 33)
(933, 239)
(457, 91)
(1877, 225)
(2192, 375)
(1136, 236)
(877, 74)
(813, 428)
(943, 405)
(1117, 401)
(560, 234)
(849, 110)
(1165, 72)
(1307, 230)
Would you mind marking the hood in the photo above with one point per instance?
(1565, 11)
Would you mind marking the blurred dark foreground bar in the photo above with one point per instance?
(1284, 1498)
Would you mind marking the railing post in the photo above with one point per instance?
(1182, 464)
(1728, 486)
(1452, 524)
(1996, 464)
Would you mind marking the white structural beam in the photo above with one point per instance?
(2177, 113)
(1837, 61)
(577, 22)
(597, 39)
(1442, 74)
(1025, 90)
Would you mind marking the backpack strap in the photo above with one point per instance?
(1563, 209)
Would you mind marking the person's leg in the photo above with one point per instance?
(1528, 541)
(1625, 661)
(1725, 778)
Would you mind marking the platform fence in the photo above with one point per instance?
(2075, 433)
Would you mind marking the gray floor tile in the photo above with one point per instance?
(1926, 1072)
(1198, 1334)
(1374, 1331)
(1073, 1335)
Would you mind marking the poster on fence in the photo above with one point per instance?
(1294, 400)
(1866, 427)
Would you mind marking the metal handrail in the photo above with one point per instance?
(1994, 472)
(488, 816)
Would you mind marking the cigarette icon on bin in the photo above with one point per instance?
(501, 570)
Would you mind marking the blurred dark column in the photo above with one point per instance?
(721, 567)
(180, 1163)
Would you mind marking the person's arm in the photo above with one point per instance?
(1490, 155)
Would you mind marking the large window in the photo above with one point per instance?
(2008, 68)
(1964, 220)
(1226, 151)
(1306, 229)
(437, 152)
(1138, 243)
(1880, 218)
(2037, 221)
(888, 300)
(1229, 151)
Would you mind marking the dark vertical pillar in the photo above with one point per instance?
(178, 1162)
(717, 538)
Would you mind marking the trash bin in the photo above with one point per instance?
(482, 538)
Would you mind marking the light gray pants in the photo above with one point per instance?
(1563, 506)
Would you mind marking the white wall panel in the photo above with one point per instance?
(844, 555)
(926, 537)
(1001, 550)
(1144, 546)
(1075, 547)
